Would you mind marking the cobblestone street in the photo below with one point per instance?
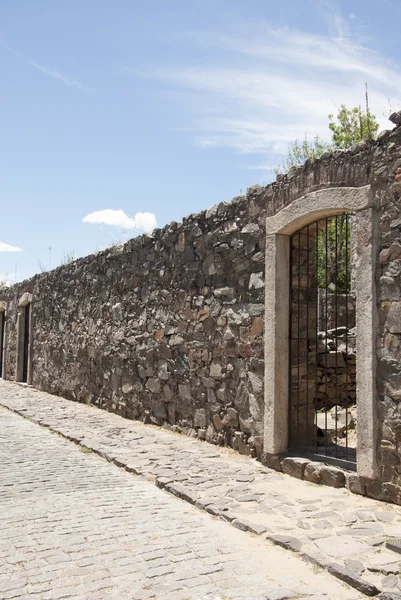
(75, 526)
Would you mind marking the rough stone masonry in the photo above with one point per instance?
(168, 328)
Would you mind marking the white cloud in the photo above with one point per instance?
(118, 218)
(332, 15)
(7, 248)
(143, 222)
(57, 75)
(268, 86)
(52, 72)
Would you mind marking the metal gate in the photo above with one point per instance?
(322, 365)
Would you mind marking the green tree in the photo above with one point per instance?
(352, 126)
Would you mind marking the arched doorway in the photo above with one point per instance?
(280, 228)
(322, 341)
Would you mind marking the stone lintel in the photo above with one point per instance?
(25, 299)
(317, 205)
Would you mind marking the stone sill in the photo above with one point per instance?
(324, 474)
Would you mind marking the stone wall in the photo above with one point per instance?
(168, 328)
(389, 335)
(165, 328)
(336, 373)
(330, 305)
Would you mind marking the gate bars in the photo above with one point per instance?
(321, 358)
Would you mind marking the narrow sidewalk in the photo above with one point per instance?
(332, 528)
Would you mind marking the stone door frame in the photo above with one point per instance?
(23, 302)
(279, 228)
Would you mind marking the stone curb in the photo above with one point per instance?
(353, 579)
(315, 472)
(176, 489)
(346, 575)
(390, 596)
(286, 541)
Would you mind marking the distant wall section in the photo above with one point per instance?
(167, 328)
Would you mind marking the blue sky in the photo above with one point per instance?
(119, 115)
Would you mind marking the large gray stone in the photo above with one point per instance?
(389, 289)
(395, 117)
(393, 322)
(200, 418)
(355, 484)
(218, 423)
(312, 472)
(256, 281)
(230, 419)
(153, 385)
(294, 466)
(332, 476)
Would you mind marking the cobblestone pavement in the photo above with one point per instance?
(333, 528)
(74, 526)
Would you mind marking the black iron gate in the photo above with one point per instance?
(322, 365)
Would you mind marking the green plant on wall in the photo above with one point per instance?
(353, 126)
(68, 257)
(300, 152)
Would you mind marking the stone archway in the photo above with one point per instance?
(279, 228)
